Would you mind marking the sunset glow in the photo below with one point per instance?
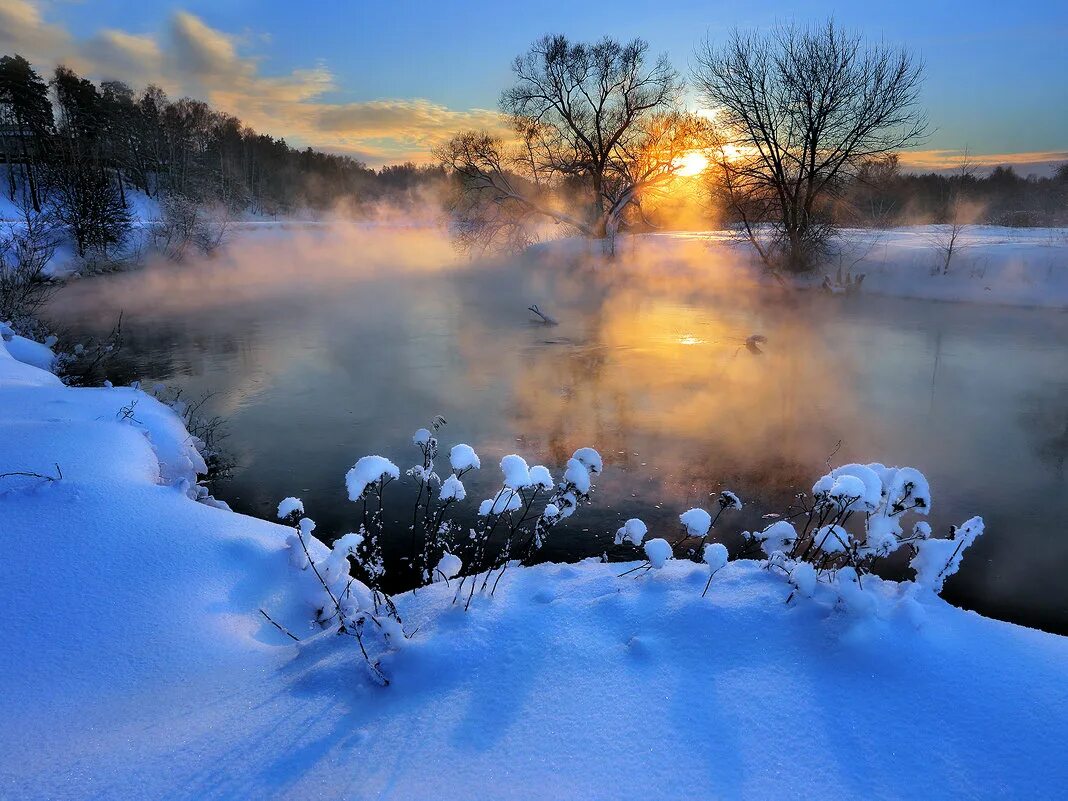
(693, 163)
(446, 400)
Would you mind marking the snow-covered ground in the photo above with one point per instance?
(990, 264)
(136, 663)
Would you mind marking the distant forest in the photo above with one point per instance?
(70, 140)
(882, 195)
(77, 148)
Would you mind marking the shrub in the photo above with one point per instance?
(830, 545)
(26, 248)
(856, 518)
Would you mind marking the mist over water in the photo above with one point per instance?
(324, 343)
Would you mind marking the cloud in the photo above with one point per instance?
(1040, 162)
(189, 57)
(205, 51)
(23, 31)
(115, 54)
(416, 125)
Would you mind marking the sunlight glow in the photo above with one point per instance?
(692, 163)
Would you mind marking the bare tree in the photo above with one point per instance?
(25, 250)
(801, 109)
(25, 124)
(83, 193)
(598, 126)
(872, 200)
(948, 239)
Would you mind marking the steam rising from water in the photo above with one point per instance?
(324, 343)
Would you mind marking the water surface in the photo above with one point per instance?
(325, 344)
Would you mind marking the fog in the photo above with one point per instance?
(325, 342)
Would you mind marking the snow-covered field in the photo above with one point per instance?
(136, 663)
(990, 264)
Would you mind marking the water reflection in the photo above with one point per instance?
(327, 344)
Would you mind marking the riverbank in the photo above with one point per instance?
(137, 663)
(1025, 267)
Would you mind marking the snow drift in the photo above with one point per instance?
(137, 662)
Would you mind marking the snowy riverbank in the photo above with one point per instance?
(136, 663)
(990, 264)
(1025, 267)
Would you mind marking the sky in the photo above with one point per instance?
(387, 81)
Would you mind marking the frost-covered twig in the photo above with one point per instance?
(280, 627)
(30, 474)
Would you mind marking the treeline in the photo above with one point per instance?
(882, 195)
(76, 148)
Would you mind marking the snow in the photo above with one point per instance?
(463, 457)
(516, 472)
(448, 567)
(853, 481)
(366, 472)
(658, 552)
(452, 489)
(992, 264)
(577, 475)
(137, 662)
(421, 436)
(289, 506)
(30, 352)
(507, 500)
(728, 500)
(715, 556)
(908, 488)
(779, 537)
(348, 543)
(541, 478)
(938, 559)
(697, 522)
(803, 577)
(590, 458)
(632, 531)
(832, 539)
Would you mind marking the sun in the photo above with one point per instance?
(691, 163)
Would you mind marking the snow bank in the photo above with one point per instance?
(29, 352)
(137, 662)
(1009, 266)
(991, 264)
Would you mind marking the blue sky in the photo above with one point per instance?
(386, 80)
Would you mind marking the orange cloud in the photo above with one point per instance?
(1039, 161)
(192, 58)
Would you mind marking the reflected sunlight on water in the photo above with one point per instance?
(323, 345)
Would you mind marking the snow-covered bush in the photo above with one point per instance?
(857, 516)
(715, 556)
(85, 364)
(695, 522)
(187, 226)
(633, 531)
(657, 552)
(344, 582)
(207, 431)
(340, 600)
(513, 510)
